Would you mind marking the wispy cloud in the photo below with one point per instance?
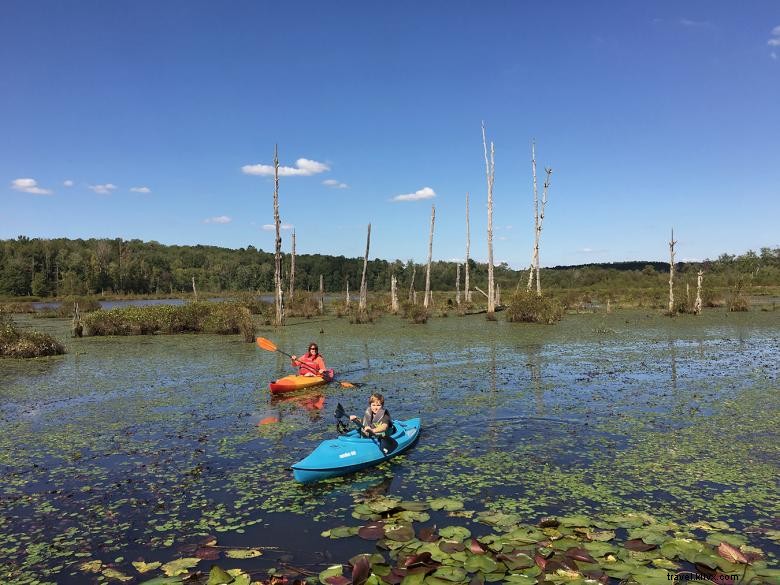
(140, 190)
(774, 40)
(104, 189)
(696, 23)
(303, 168)
(334, 184)
(424, 193)
(269, 227)
(27, 185)
(68, 183)
(218, 219)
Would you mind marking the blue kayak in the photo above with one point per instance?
(351, 452)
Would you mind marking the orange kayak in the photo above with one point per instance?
(290, 383)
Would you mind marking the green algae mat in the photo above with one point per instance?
(164, 459)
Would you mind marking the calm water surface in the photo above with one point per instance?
(138, 447)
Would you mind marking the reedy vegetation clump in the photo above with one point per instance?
(203, 317)
(25, 344)
(528, 307)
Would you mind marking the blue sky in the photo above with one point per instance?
(157, 120)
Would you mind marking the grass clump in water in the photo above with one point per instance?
(222, 318)
(528, 307)
(25, 344)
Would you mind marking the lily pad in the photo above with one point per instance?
(179, 566)
(243, 553)
(143, 567)
(455, 533)
(218, 576)
(446, 504)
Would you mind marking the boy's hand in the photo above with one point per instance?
(352, 417)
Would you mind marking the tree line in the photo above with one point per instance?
(62, 267)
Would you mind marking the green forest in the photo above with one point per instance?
(65, 267)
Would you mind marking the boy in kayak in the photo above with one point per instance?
(311, 364)
(376, 420)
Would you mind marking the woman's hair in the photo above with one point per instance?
(316, 347)
(376, 396)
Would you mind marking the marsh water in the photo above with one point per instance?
(138, 447)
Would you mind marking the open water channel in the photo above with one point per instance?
(138, 447)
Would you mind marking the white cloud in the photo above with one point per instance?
(303, 168)
(335, 184)
(424, 193)
(104, 189)
(141, 190)
(68, 183)
(774, 41)
(269, 227)
(218, 219)
(696, 23)
(26, 185)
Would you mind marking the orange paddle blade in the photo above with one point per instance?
(266, 344)
(346, 384)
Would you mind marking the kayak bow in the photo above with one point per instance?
(351, 452)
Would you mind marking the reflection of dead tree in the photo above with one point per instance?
(672, 242)
(697, 302)
(427, 297)
(490, 173)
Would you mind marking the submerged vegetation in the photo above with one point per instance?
(18, 343)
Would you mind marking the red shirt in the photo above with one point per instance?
(313, 364)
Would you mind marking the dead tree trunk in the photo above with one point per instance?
(467, 290)
(490, 172)
(363, 290)
(322, 297)
(393, 294)
(671, 273)
(412, 293)
(194, 290)
(427, 298)
(536, 217)
(697, 303)
(548, 172)
(292, 268)
(346, 301)
(457, 284)
(279, 316)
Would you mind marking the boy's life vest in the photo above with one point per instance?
(372, 420)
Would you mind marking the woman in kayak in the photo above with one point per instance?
(376, 420)
(311, 364)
